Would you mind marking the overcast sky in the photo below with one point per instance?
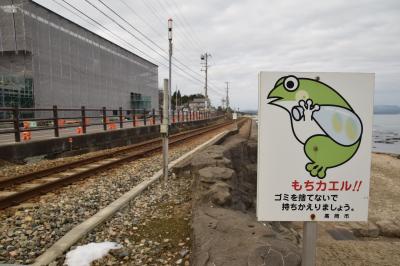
(245, 37)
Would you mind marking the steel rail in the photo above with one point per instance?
(4, 183)
(139, 150)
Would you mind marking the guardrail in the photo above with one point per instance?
(61, 118)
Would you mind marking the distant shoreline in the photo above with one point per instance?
(386, 110)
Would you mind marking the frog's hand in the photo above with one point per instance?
(326, 153)
(341, 124)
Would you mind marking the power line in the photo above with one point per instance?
(112, 33)
(227, 95)
(141, 33)
(189, 38)
(123, 28)
(141, 18)
(155, 12)
(127, 22)
(188, 25)
(164, 10)
(134, 47)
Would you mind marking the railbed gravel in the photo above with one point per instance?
(153, 230)
(28, 229)
(39, 163)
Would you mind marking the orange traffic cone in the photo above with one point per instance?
(61, 122)
(79, 130)
(26, 135)
(112, 126)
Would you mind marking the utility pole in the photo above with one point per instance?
(176, 97)
(227, 95)
(166, 109)
(204, 59)
(170, 63)
(164, 130)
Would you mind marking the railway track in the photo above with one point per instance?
(17, 189)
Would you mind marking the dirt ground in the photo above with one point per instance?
(384, 205)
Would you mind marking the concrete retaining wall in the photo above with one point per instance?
(91, 142)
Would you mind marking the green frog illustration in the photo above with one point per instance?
(321, 119)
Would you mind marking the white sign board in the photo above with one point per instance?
(234, 116)
(314, 146)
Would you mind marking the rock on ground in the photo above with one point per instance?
(225, 229)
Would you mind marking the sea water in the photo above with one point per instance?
(386, 134)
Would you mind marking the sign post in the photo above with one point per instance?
(309, 243)
(164, 130)
(314, 149)
(234, 116)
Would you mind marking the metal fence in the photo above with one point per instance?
(55, 119)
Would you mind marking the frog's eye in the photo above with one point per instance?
(291, 83)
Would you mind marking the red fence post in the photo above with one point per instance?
(55, 122)
(83, 119)
(16, 125)
(133, 118)
(121, 121)
(104, 119)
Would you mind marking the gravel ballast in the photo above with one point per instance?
(32, 227)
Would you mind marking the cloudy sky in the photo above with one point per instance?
(245, 37)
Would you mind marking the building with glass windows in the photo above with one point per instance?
(46, 60)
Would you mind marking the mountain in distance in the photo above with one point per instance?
(378, 110)
(386, 109)
(249, 112)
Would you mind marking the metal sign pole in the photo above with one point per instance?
(166, 108)
(164, 131)
(170, 64)
(309, 243)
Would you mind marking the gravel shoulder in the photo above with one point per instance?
(383, 205)
(154, 230)
(27, 230)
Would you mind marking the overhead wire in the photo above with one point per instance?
(141, 33)
(183, 20)
(112, 33)
(188, 75)
(190, 29)
(153, 9)
(141, 18)
(180, 27)
(180, 38)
